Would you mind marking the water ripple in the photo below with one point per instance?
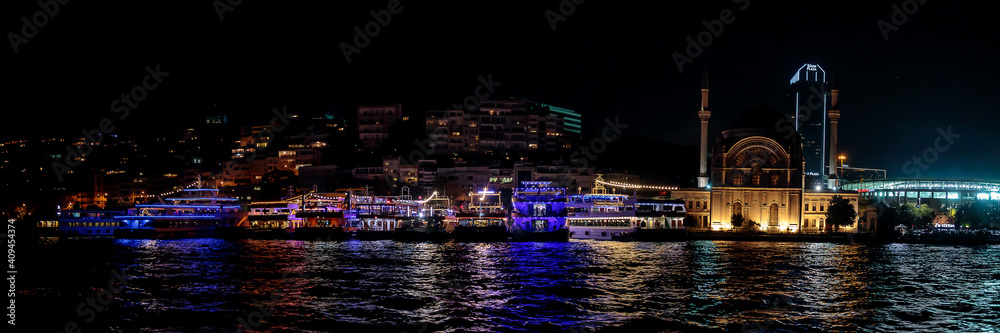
(581, 286)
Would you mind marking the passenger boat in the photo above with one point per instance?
(88, 223)
(430, 224)
(660, 220)
(378, 217)
(264, 220)
(322, 215)
(197, 212)
(483, 219)
(601, 215)
(539, 212)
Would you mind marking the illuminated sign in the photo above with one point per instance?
(983, 196)
(811, 68)
(995, 196)
(944, 225)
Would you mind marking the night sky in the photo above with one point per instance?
(607, 59)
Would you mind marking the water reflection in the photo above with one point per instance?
(210, 285)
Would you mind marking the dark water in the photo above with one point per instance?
(386, 286)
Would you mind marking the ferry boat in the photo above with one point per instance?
(322, 216)
(431, 222)
(660, 220)
(601, 215)
(264, 220)
(197, 212)
(483, 219)
(377, 217)
(311, 216)
(88, 223)
(539, 212)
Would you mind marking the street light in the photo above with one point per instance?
(839, 178)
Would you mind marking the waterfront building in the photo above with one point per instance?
(374, 123)
(427, 173)
(397, 173)
(756, 173)
(696, 205)
(574, 178)
(815, 203)
(498, 126)
(369, 174)
(460, 181)
(572, 120)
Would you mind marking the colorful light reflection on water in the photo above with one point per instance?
(208, 284)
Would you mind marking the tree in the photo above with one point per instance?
(840, 213)
(904, 215)
(690, 222)
(923, 216)
(750, 226)
(974, 215)
(737, 220)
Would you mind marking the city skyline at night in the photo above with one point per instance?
(532, 166)
(900, 92)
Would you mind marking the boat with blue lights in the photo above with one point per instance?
(196, 212)
(539, 213)
(601, 215)
(87, 223)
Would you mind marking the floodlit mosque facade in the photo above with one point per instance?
(757, 170)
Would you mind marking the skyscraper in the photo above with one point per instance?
(809, 91)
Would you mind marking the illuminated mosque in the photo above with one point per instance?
(758, 170)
